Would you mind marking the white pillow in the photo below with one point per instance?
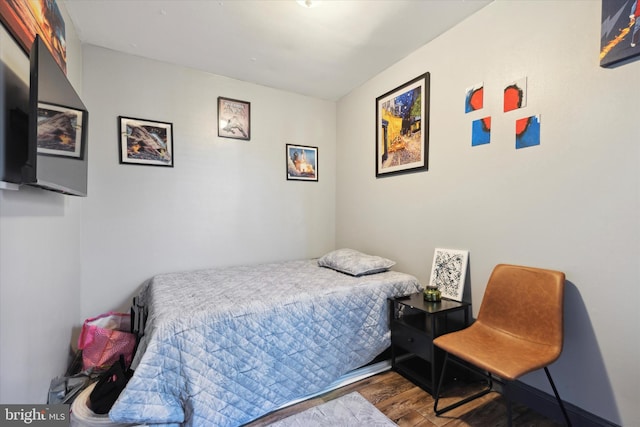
(355, 263)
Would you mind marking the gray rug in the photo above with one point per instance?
(350, 410)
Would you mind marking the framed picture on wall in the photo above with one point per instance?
(448, 272)
(59, 131)
(302, 163)
(402, 128)
(24, 18)
(145, 142)
(234, 119)
(619, 32)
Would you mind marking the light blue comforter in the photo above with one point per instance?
(225, 346)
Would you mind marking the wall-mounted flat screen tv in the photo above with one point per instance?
(57, 157)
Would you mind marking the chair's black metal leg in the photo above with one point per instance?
(555, 391)
(437, 396)
(463, 401)
(505, 394)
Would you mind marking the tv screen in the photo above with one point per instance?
(14, 104)
(57, 138)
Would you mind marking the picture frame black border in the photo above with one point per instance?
(248, 132)
(122, 143)
(296, 178)
(424, 125)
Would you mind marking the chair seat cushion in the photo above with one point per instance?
(498, 352)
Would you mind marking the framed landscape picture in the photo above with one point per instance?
(302, 163)
(234, 118)
(25, 18)
(402, 128)
(145, 142)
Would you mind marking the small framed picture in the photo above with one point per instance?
(60, 131)
(449, 271)
(145, 142)
(234, 119)
(302, 163)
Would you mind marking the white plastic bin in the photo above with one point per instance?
(83, 416)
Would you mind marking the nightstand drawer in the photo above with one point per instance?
(411, 340)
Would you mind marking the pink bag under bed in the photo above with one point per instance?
(104, 338)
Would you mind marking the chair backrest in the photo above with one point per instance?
(526, 302)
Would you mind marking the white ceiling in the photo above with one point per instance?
(324, 51)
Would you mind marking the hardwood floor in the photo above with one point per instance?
(409, 406)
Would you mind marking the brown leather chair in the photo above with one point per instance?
(519, 329)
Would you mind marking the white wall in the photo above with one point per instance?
(225, 202)
(40, 262)
(570, 203)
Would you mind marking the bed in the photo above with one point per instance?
(224, 346)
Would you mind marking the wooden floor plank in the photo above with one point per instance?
(404, 403)
(408, 405)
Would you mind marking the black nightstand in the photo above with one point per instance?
(414, 324)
